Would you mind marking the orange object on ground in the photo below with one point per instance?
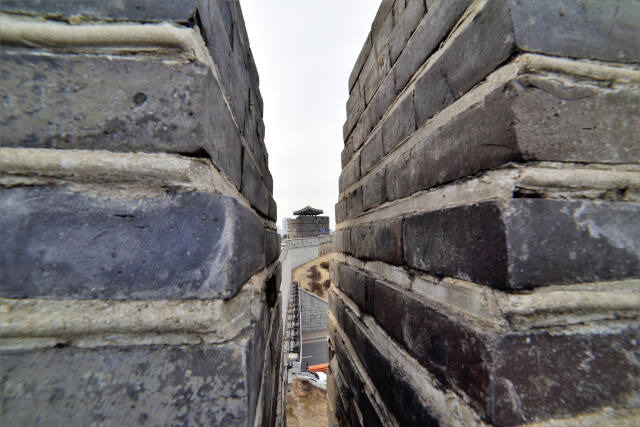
(323, 367)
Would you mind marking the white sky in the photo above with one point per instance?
(304, 51)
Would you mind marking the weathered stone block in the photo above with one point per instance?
(400, 124)
(63, 244)
(405, 24)
(374, 189)
(351, 390)
(401, 399)
(530, 118)
(371, 153)
(271, 246)
(253, 187)
(149, 385)
(356, 284)
(595, 29)
(347, 152)
(379, 240)
(342, 240)
(354, 202)
(273, 209)
(126, 10)
(341, 210)
(440, 19)
(121, 106)
(373, 72)
(582, 370)
(355, 107)
(362, 57)
(378, 105)
(526, 243)
(476, 51)
(350, 174)
(574, 120)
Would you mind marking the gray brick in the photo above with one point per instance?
(352, 390)
(362, 57)
(382, 26)
(197, 384)
(374, 189)
(271, 246)
(400, 124)
(273, 209)
(350, 174)
(487, 367)
(342, 240)
(129, 110)
(371, 153)
(62, 244)
(469, 58)
(253, 187)
(379, 241)
(347, 152)
(268, 178)
(379, 104)
(354, 202)
(355, 107)
(526, 243)
(405, 24)
(400, 397)
(341, 210)
(573, 121)
(126, 10)
(358, 285)
(358, 136)
(440, 19)
(531, 118)
(403, 175)
(475, 139)
(598, 29)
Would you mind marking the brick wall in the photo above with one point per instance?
(488, 218)
(139, 268)
(307, 226)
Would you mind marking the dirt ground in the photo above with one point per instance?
(306, 405)
(318, 285)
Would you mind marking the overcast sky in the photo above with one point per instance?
(304, 51)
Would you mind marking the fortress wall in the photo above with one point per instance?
(307, 226)
(139, 272)
(487, 224)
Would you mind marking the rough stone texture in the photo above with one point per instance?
(525, 243)
(126, 10)
(253, 187)
(142, 113)
(401, 399)
(147, 385)
(380, 240)
(597, 29)
(58, 243)
(460, 298)
(154, 227)
(488, 367)
(440, 18)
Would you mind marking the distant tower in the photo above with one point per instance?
(307, 223)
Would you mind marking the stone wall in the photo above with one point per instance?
(139, 269)
(296, 252)
(488, 222)
(307, 226)
(314, 311)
